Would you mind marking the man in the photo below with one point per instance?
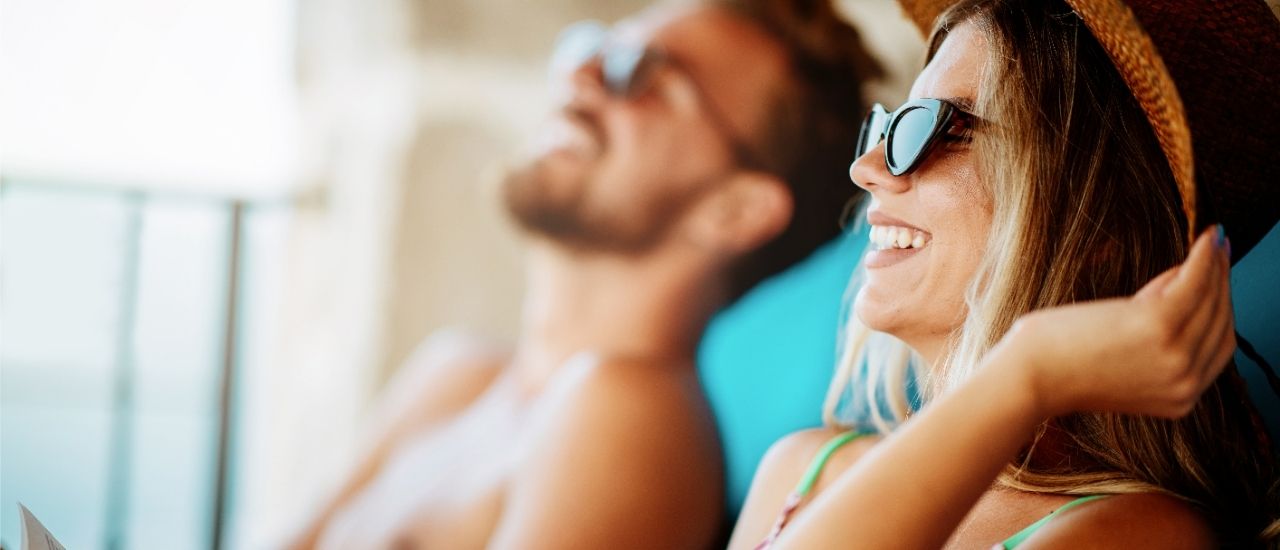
(697, 149)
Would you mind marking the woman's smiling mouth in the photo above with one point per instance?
(892, 240)
(889, 236)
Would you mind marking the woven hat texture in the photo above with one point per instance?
(1207, 75)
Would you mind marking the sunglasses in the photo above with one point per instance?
(912, 131)
(629, 69)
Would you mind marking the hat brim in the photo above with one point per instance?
(1134, 54)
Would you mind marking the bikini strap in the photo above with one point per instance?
(1026, 533)
(820, 461)
(806, 484)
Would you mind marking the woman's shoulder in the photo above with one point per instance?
(793, 455)
(781, 470)
(1141, 520)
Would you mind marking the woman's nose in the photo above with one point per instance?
(870, 173)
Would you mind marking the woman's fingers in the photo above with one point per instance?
(1201, 332)
(1187, 290)
(1154, 289)
(1189, 319)
(1219, 325)
(1216, 335)
(1227, 350)
(1223, 324)
(1212, 335)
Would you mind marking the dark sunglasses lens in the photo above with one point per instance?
(908, 137)
(576, 45)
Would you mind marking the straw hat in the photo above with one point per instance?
(1207, 74)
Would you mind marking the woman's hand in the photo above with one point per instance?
(1152, 353)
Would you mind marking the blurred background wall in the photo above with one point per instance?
(224, 223)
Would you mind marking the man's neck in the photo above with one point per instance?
(616, 306)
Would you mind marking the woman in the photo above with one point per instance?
(1036, 279)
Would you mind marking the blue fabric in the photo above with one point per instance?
(765, 361)
(1255, 293)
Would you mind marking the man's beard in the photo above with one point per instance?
(557, 206)
(569, 219)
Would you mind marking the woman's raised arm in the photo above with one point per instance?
(1152, 353)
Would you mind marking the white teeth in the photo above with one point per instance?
(883, 237)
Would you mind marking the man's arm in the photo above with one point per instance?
(625, 457)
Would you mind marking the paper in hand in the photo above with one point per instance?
(34, 534)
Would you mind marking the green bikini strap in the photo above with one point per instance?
(820, 461)
(1022, 535)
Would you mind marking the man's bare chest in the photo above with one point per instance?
(442, 487)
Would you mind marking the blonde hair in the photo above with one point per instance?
(1084, 206)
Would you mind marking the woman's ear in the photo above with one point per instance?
(742, 213)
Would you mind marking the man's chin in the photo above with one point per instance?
(573, 152)
(564, 166)
(542, 199)
(549, 202)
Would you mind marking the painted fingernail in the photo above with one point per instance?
(1222, 235)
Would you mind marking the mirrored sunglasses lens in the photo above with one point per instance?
(908, 137)
(872, 130)
(627, 69)
(862, 136)
(576, 45)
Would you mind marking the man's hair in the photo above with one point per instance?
(812, 126)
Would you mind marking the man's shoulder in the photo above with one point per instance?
(619, 444)
(631, 390)
(446, 372)
(455, 347)
(631, 415)
(456, 354)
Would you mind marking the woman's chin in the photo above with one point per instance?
(875, 312)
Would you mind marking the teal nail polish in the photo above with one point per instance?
(1222, 236)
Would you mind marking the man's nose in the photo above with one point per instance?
(586, 81)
